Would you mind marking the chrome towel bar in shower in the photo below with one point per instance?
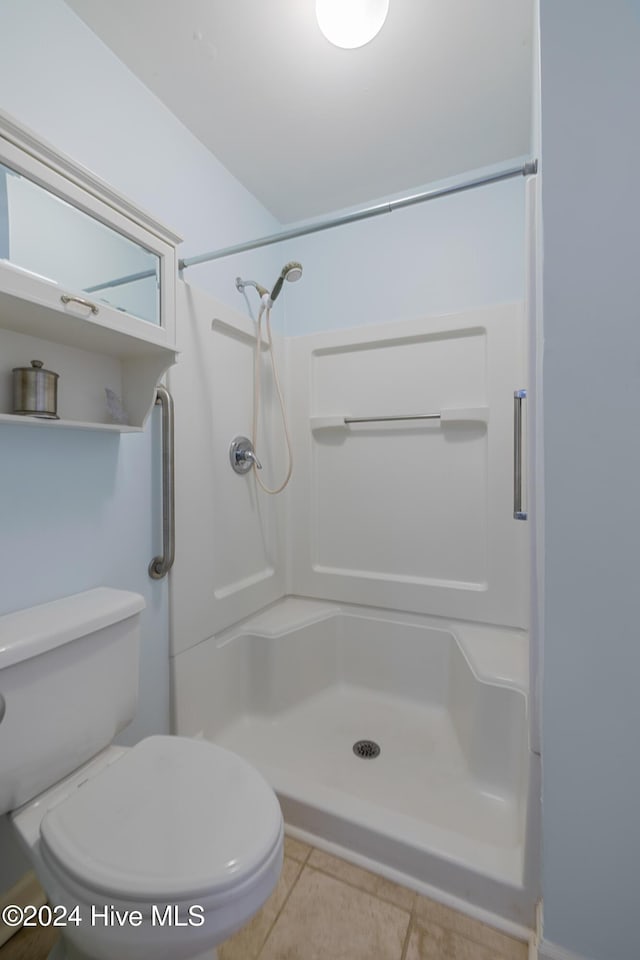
(449, 415)
(160, 566)
(409, 416)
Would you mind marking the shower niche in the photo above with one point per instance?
(87, 286)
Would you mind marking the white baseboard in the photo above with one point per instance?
(23, 893)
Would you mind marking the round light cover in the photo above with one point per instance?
(351, 23)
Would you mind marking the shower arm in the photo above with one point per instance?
(241, 284)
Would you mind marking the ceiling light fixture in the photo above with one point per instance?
(351, 23)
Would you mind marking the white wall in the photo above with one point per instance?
(447, 255)
(78, 510)
(591, 707)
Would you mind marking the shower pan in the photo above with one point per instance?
(394, 737)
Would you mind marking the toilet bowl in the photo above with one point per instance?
(161, 850)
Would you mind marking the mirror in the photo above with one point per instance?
(48, 236)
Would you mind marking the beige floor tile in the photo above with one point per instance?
(296, 849)
(429, 913)
(247, 943)
(363, 879)
(29, 944)
(325, 919)
(435, 943)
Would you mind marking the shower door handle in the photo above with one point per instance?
(160, 566)
(518, 512)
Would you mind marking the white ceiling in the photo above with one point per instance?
(310, 128)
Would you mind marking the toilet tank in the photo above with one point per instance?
(68, 685)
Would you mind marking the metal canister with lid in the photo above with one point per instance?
(35, 391)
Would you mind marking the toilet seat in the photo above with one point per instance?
(174, 819)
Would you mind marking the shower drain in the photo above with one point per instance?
(367, 749)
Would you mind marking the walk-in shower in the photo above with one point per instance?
(382, 604)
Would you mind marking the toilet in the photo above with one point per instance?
(161, 850)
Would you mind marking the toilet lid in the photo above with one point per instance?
(172, 819)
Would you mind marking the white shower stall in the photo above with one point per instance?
(363, 637)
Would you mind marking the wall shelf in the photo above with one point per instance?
(20, 421)
(93, 346)
(90, 353)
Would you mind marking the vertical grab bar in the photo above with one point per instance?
(160, 566)
(518, 512)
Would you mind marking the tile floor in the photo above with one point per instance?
(326, 909)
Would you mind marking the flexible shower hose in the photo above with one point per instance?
(256, 398)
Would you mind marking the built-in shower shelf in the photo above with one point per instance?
(447, 415)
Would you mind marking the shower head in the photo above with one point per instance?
(291, 271)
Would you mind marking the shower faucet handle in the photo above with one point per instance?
(250, 457)
(242, 455)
